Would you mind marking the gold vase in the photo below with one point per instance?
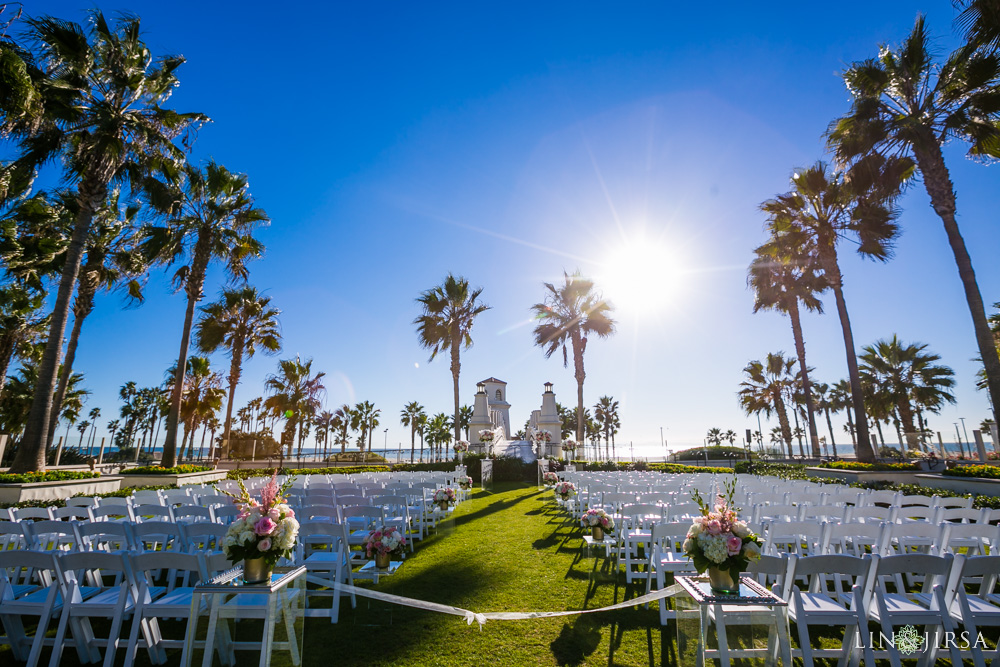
(722, 581)
(256, 571)
(383, 560)
(443, 506)
(597, 532)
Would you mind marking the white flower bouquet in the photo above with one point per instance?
(569, 446)
(486, 435)
(384, 541)
(444, 496)
(597, 518)
(263, 529)
(461, 446)
(550, 479)
(565, 490)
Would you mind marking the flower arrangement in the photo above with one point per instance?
(719, 539)
(461, 446)
(385, 541)
(597, 518)
(444, 496)
(263, 529)
(569, 446)
(565, 490)
(465, 482)
(550, 479)
(543, 436)
(486, 435)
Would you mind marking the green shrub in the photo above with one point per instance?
(157, 470)
(120, 493)
(50, 476)
(782, 470)
(873, 467)
(984, 471)
(678, 468)
(245, 473)
(715, 452)
(356, 457)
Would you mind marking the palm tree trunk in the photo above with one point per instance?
(413, 442)
(201, 447)
(456, 368)
(937, 182)
(7, 343)
(196, 279)
(235, 368)
(32, 448)
(829, 425)
(798, 431)
(800, 350)
(786, 430)
(580, 375)
(864, 451)
(878, 428)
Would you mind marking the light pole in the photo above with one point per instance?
(962, 419)
(385, 443)
(958, 436)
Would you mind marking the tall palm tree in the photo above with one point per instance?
(465, 418)
(295, 393)
(214, 219)
(606, 414)
(365, 420)
(823, 209)
(570, 314)
(202, 398)
(111, 263)
(730, 436)
(324, 424)
(408, 417)
(438, 428)
(842, 399)
(782, 277)
(903, 372)
(907, 105)
(422, 420)
(767, 386)
(714, 436)
(449, 311)
(94, 414)
(104, 118)
(113, 427)
(241, 321)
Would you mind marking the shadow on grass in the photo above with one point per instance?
(576, 642)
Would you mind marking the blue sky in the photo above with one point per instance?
(392, 144)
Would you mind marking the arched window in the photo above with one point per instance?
(499, 397)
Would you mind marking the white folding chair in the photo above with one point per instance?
(37, 595)
(896, 606)
(838, 592)
(32, 513)
(108, 536)
(158, 536)
(113, 600)
(53, 535)
(202, 536)
(802, 538)
(192, 514)
(146, 512)
(72, 513)
(982, 608)
(324, 550)
(667, 556)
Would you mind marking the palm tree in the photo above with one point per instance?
(765, 389)
(730, 436)
(714, 436)
(203, 394)
(841, 399)
(825, 208)
(981, 21)
(295, 393)
(606, 414)
(324, 424)
(465, 418)
(94, 414)
(408, 417)
(104, 118)
(364, 420)
(111, 263)
(422, 420)
(908, 106)
(824, 402)
(113, 427)
(781, 277)
(82, 428)
(570, 314)
(21, 325)
(903, 374)
(438, 428)
(450, 309)
(241, 321)
(214, 220)
(343, 417)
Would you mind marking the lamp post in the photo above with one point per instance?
(385, 442)
(958, 436)
(962, 419)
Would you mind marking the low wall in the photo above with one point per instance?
(17, 493)
(978, 485)
(206, 477)
(860, 476)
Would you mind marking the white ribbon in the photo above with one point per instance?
(481, 619)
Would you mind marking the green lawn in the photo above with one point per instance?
(503, 551)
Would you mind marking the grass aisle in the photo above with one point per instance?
(503, 551)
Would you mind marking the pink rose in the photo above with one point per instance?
(274, 514)
(264, 544)
(264, 526)
(734, 544)
(713, 527)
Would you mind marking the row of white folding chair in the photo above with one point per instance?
(112, 536)
(76, 587)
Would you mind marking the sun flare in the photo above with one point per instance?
(639, 277)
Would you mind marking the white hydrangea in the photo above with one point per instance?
(715, 550)
(741, 529)
(695, 530)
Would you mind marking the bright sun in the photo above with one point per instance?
(639, 277)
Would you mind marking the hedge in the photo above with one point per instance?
(157, 470)
(984, 471)
(714, 452)
(50, 476)
(678, 468)
(120, 493)
(246, 473)
(873, 467)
